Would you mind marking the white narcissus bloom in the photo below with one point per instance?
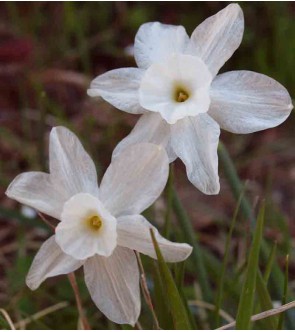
(100, 227)
(183, 100)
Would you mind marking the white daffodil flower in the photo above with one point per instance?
(100, 227)
(183, 100)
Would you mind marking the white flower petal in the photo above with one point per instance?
(216, 39)
(50, 261)
(71, 167)
(119, 87)
(113, 284)
(160, 83)
(244, 102)
(135, 179)
(195, 141)
(37, 190)
(134, 233)
(150, 128)
(77, 237)
(154, 42)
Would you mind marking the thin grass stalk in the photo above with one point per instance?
(263, 315)
(73, 282)
(42, 313)
(7, 318)
(146, 293)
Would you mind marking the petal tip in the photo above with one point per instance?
(93, 93)
(31, 284)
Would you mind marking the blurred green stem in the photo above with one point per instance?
(190, 235)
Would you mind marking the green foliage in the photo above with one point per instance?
(85, 39)
(177, 309)
(246, 302)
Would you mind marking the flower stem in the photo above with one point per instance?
(145, 291)
(190, 236)
(73, 282)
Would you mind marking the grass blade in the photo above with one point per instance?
(265, 303)
(177, 309)
(246, 303)
(224, 262)
(161, 300)
(284, 299)
(270, 263)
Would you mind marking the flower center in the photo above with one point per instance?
(94, 222)
(181, 95)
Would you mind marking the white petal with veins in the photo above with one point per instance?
(119, 87)
(71, 167)
(216, 39)
(244, 102)
(134, 233)
(50, 261)
(155, 42)
(195, 141)
(149, 128)
(135, 179)
(37, 190)
(113, 284)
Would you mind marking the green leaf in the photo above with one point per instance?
(270, 263)
(161, 301)
(265, 302)
(196, 256)
(224, 262)
(284, 299)
(177, 309)
(246, 303)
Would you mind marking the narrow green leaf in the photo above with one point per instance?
(265, 302)
(284, 299)
(270, 263)
(161, 301)
(177, 309)
(224, 262)
(246, 303)
(179, 270)
(196, 256)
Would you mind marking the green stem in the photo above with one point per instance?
(190, 236)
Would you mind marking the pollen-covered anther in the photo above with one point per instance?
(181, 95)
(95, 222)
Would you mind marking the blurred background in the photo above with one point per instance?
(49, 52)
